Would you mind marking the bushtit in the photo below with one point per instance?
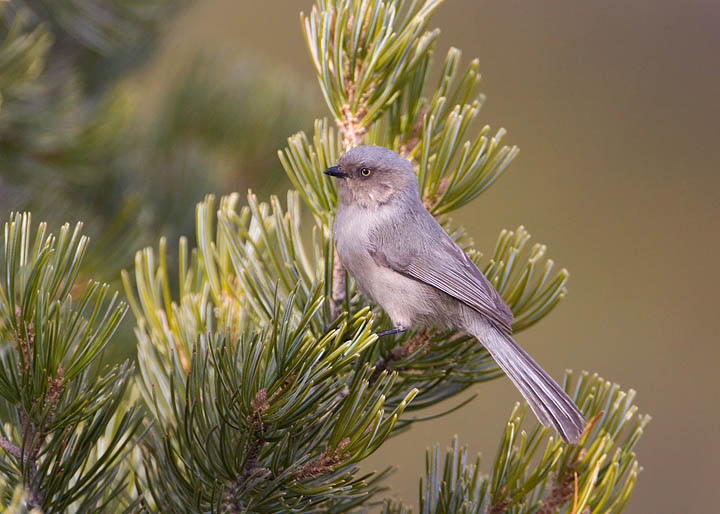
(402, 259)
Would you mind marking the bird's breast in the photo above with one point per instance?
(404, 299)
(352, 241)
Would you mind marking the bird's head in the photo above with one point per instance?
(372, 176)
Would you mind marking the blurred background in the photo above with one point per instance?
(613, 104)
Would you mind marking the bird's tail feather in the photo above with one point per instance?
(547, 399)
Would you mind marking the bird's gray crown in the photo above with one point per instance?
(376, 158)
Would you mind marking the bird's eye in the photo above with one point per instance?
(365, 172)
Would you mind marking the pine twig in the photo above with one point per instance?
(33, 437)
(9, 447)
(421, 339)
(233, 496)
(259, 405)
(338, 285)
(500, 507)
(327, 460)
(428, 202)
(414, 138)
(561, 492)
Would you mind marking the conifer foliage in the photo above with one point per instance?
(262, 379)
(66, 427)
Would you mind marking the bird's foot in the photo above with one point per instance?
(395, 330)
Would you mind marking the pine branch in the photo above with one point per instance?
(290, 429)
(596, 475)
(58, 445)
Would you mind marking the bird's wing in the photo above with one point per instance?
(446, 267)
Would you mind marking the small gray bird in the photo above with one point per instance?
(402, 259)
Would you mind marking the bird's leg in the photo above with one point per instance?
(395, 330)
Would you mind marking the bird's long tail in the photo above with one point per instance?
(547, 399)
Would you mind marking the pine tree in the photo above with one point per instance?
(262, 380)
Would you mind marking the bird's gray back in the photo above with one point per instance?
(418, 247)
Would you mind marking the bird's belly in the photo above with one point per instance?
(405, 300)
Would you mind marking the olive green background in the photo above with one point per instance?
(615, 108)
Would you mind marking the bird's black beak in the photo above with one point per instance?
(335, 171)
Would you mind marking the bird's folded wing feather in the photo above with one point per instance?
(447, 268)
